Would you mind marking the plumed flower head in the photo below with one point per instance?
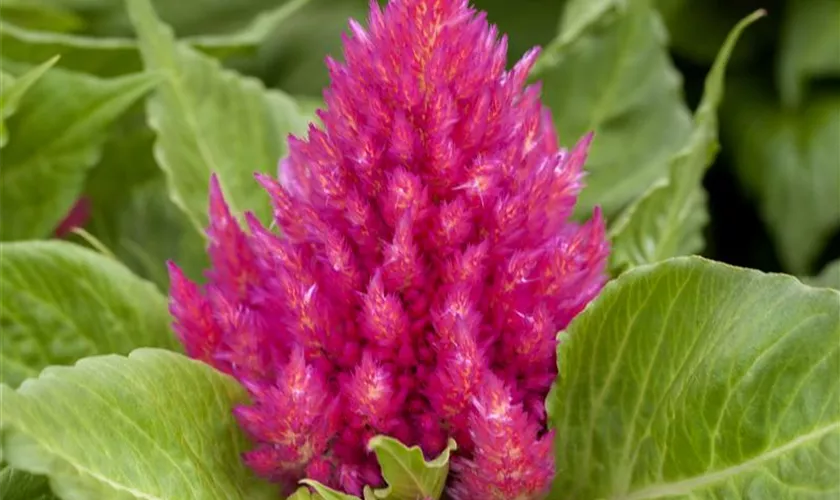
(423, 265)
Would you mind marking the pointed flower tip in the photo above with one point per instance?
(173, 268)
(264, 178)
(215, 184)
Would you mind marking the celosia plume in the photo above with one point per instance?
(424, 264)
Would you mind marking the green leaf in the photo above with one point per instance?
(251, 36)
(408, 474)
(810, 46)
(293, 58)
(787, 160)
(609, 71)
(13, 90)
(323, 492)
(103, 57)
(195, 18)
(154, 425)
(527, 24)
(829, 277)
(131, 211)
(210, 120)
(115, 56)
(667, 221)
(695, 379)
(696, 30)
(302, 493)
(18, 485)
(39, 14)
(56, 137)
(62, 302)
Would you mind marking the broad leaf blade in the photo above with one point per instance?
(56, 137)
(696, 379)
(609, 71)
(667, 221)
(408, 474)
(62, 302)
(12, 92)
(810, 46)
(210, 120)
(154, 425)
(788, 161)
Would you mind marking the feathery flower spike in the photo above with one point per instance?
(424, 263)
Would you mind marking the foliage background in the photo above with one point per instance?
(86, 126)
(773, 191)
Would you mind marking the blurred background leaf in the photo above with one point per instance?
(57, 135)
(631, 69)
(19, 485)
(609, 71)
(789, 161)
(132, 214)
(40, 15)
(809, 47)
(698, 29)
(829, 277)
(668, 219)
(12, 91)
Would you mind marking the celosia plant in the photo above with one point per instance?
(407, 293)
(424, 264)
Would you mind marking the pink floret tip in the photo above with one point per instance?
(422, 264)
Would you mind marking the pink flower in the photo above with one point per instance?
(424, 264)
(77, 217)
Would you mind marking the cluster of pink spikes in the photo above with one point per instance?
(423, 265)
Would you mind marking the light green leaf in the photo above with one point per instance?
(18, 485)
(667, 221)
(13, 90)
(153, 426)
(695, 379)
(62, 302)
(829, 277)
(324, 492)
(302, 493)
(210, 120)
(609, 71)
(788, 161)
(56, 137)
(408, 474)
(810, 46)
